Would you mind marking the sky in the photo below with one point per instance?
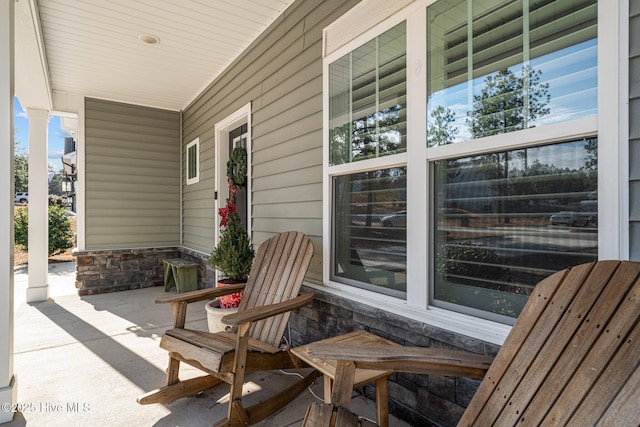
(55, 136)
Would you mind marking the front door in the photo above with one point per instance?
(234, 131)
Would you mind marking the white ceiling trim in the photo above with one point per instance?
(32, 79)
(92, 47)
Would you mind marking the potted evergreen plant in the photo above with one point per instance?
(234, 254)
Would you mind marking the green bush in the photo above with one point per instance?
(234, 254)
(60, 234)
(470, 260)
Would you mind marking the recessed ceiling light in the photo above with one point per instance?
(149, 39)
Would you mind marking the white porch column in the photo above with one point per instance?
(38, 289)
(8, 388)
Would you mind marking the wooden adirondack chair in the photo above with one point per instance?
(572, 358)
(270, 295)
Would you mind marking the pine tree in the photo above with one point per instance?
(234, 254)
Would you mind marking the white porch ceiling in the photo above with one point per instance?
(92, 47)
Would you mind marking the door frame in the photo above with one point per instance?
(221, 134)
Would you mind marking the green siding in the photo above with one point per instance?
(281, 75)
(634, 129)
(132, 172)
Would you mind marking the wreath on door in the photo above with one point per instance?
(237, 166)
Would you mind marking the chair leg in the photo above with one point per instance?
(173, 370)
(174, 391)
(267, 407)
(236, 415)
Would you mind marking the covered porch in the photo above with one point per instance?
(84, 360)
(155, 92)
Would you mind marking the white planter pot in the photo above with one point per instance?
(215, 315)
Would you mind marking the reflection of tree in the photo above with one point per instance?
(369, 136)
(507, 103)
(532, 182)
(591, 160)
(377, 133)
(441, 129)
(339, 144)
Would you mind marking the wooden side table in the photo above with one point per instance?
(362, 376)
(180, 273)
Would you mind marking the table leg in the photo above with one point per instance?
(382, 402)
(168, 277)
(328, 383)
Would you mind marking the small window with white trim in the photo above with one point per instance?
(192, 161)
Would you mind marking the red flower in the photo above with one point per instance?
(231, 207)
(226, 211)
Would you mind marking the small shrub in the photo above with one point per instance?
(60, 234)
(234, 254)
(470, 260)
(21, 229)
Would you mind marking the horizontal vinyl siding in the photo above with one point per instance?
(281, 75)
(132, 172)
(634, 129)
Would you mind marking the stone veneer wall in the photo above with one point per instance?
(420, 400)
(120, 270)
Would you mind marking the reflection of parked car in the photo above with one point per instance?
(397, 219)
(21, 197)
(575, 219)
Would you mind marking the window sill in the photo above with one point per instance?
(481, 329)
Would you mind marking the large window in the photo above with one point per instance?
(367, 121)
(462, 158)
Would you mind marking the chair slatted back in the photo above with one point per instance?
(276, 276)
(573, 356)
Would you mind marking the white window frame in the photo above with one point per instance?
(371, 18)
(196, 178)
(221, 132)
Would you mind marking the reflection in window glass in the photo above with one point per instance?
(504, 221)
(367, 99)
(491, 71)
(192, 166)
(192, 155)
(369, 236)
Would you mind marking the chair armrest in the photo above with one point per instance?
(417, 360)
(201, 294)
(264, 312)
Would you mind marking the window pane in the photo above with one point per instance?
(369, 234)
(504, 221)
(192, 159)
(367, 99)
(492, 71)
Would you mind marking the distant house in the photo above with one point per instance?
(69, 170)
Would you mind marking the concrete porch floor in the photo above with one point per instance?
(82, 361)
